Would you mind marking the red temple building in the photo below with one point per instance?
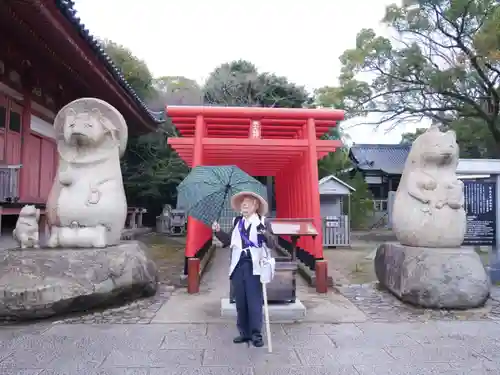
(281, 142)
(47, 59)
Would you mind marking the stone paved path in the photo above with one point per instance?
(381, 306)
(439, 348)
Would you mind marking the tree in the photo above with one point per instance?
(473, 137)
(175, 90)
(409, 138)
(151, 169)
(135, 70)
(335, 163)
(361, 201)
(238, 83)
(442, 63)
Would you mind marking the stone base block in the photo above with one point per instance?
(39, 283)
(433, 278)
(278, 313)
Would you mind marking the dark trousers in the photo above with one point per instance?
(248, 297)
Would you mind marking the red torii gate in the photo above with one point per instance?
(286, 146)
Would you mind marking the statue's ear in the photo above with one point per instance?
(452, 135)
(95, 113)
(70, 114)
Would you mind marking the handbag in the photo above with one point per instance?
(267, 266)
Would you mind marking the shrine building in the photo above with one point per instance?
(48, 59)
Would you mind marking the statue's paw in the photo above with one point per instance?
(94, 197)
(427, 210)
(100, 240)
(53, 241)
(455, 205)
(65, 179)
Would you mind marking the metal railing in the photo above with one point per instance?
(9, 183)
(380, 205)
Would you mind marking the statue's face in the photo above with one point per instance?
(83, 129)
(249, 206)
(440, 148)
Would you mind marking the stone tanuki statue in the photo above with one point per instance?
(247, 252)
(87, 205)
(26, 230)
(429, 268)
(428, 207)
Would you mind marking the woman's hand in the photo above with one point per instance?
(216, 226)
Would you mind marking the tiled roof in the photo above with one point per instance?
(386, 158)
(67, 9)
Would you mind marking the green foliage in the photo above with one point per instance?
(409, 138)
(443, 63)
(361, 201)
(238, 83)
(151, 169)
(175, 90)
(473, 137)
(135, 70)
(334, 163)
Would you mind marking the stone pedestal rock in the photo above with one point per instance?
(39, 283)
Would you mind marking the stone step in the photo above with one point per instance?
(278, 313)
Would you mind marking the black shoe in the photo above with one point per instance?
(240, 340)
(257, 340)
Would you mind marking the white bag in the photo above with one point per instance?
(267, 266)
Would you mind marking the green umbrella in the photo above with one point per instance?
(206, 188)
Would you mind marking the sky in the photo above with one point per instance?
(301, 40)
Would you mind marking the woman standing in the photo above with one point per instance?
(246, 243)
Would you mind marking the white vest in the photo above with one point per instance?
(258, 253)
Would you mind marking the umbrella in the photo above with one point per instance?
(206, 188)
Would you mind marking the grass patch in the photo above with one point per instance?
(168, 254)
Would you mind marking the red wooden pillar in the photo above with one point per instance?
(278, 182)
(306, 192)
(312, 156)
(196, 230)
(305, 242)
(25, 134)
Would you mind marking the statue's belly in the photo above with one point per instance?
(74, 205)
(418, 224)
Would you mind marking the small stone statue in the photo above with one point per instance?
(26, 231)
(87, 205)
(429, 204)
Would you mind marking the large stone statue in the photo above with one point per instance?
(429, 267)
(87, 205)
(428, 207)
(88, 266)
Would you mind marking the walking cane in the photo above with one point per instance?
(266, 319)
(266, 276)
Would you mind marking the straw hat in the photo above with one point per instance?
(237, 199)
(111, 118)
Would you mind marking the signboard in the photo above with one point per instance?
(480, 208)
(332, 222)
